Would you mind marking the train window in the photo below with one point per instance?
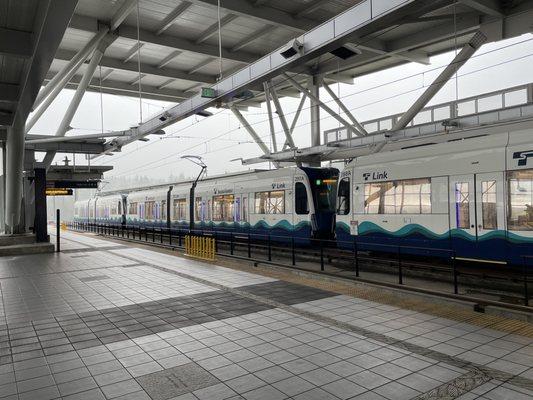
(270, 202)
(179, 209)
(520, 212)
(488, 205)
(198, 209)
(462, 205)
(344, 196)
(149, 211)
(132, 208)
(223, 207)
(410, 196)
(301, 205)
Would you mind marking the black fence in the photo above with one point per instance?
(348, 257)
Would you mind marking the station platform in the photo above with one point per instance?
(108, 320)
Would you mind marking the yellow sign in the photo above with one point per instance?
(200, 247)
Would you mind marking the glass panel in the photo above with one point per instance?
(462, 205)
(270, 202)
(520, 216)
(179, 210)
(515, 98)
(385, 124)
(423, 117)
(344, 197)
(301, 205)
(488, 205)
(223, 207)
(441, 113)
(411, 196)
(371, 127)
(489, 103)
(163, 209)
(325, 193)
(466, 107)
(198, 209)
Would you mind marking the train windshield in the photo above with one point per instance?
(325, 191)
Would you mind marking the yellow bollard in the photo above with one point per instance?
(200, 247)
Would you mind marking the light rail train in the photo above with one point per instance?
(297, 202)
(472, 196)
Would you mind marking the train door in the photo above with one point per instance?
(490, 216)
(477, 216)
(463, 215)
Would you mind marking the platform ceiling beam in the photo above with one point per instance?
(132, 66)
(251, 131)
(171, 18)
(343, 107)
(90, 24)
(489, 7)
(16, 43)
(260, 12)
(214, 27)
(281, 115)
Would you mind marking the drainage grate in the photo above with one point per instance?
(175, 381)
(94, 278)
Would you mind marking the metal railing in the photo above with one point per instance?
(491, 101)
(332, 257)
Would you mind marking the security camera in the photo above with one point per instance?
(293, 47)
(164, 117)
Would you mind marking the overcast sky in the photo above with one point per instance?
(220, 138)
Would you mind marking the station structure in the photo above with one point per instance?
(169, 50)
(116, 313)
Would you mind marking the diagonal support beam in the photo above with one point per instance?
(169, 58)
(281, 115)
(460, 59)
(78, 96)
(312, 6)
(133, 52)
(345, 110)
(250, 130)
(348, 126)
(270, 117)
(81, 55)
(296, 118)
(124, 10)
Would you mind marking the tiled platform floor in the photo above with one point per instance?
(106, 321)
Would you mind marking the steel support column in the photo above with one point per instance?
(313, 86)
(14, 168)
(76, 100)
(345, 110)
(81, 55)
(316, 99)
(460, 59)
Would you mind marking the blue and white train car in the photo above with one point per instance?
(471, 196)
(147, 207)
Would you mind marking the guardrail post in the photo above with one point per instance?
(526, 292)
(161, 235)
(400, 272)
(170, 236)
(231, 239)
(321, 255)
(216, 241)
(455, 275)
(356, 258)
(269, 248)
(292, 251)
(249, 247)
(58, 230)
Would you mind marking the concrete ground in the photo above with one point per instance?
(105, 320)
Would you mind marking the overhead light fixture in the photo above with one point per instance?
(345, 52)
(244, 95)
(158, 132)
(293, 47)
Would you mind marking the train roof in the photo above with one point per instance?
(166, 185)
